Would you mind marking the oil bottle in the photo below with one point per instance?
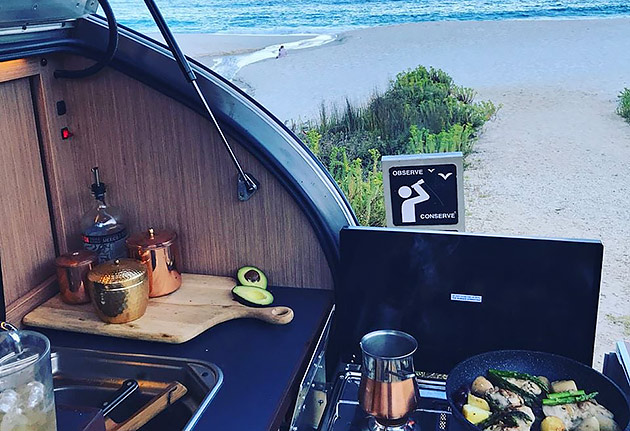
(102, 228)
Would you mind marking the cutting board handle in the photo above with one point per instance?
(275, 315)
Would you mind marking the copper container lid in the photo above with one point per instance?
(152, 239)
(76, 258)
(118, 273)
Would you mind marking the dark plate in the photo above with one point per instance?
(553, 367)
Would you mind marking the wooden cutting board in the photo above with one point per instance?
(202, 302)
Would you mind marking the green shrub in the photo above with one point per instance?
(456, 138)
(422, 111)
(362, 187)
(623, 106)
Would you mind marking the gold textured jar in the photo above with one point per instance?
(119, 290)
(157, 249)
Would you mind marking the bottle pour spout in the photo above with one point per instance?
(98, 188)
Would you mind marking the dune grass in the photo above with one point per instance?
(422, 111)
(623, 104)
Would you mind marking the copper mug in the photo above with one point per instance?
(388, 390)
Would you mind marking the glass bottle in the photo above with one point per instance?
(102, 228)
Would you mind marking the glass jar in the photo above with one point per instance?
(27, 401)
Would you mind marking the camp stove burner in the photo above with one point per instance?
(409, 425)
(345, 414)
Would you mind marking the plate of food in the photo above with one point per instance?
(519, 390)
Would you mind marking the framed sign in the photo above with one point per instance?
(425, 191)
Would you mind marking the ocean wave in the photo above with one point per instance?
(228, 66)
(327, 16)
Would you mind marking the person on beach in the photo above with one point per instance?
(281, 52)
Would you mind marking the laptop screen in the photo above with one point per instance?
(463, 294)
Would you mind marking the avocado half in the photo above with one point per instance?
(252, 276)
(252, 296)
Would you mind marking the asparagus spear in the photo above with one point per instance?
(529, 399)
(523, 376)
(565, 394)
(569, 399)
(508, 417)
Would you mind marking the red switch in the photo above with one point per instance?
(65, 133)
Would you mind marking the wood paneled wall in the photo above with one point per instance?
(26, 247)
(166, 167)
(26, 241)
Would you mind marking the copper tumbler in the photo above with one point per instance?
(72, 270)
(119, 290)
(388, 390)
(158, 250)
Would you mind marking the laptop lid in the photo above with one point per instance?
(462, 294)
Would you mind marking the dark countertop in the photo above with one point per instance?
(260, 362)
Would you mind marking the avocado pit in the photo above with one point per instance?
(251, 276)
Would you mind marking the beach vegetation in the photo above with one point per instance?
(623, 105)
(422, 111)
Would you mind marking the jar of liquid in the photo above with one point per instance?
(27, 401)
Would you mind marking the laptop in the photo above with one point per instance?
(461, 294)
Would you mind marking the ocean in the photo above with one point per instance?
(325, 16)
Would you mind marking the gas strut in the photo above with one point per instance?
(247, 184)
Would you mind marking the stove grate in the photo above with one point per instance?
(345, 414)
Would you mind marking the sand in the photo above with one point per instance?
(552, 163)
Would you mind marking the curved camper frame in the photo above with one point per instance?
(247, 122)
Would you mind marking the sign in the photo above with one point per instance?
(424, 191)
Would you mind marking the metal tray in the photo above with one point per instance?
(86, 378)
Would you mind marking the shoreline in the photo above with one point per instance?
(229, 53)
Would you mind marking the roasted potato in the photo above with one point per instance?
(478, 402)
(475, 414)
(607, 424)
(545, 380)
(552, 423)
(588, 424)
(563, 386)
(481, 385)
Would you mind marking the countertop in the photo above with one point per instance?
(260, 362)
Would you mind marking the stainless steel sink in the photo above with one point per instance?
(87, 378)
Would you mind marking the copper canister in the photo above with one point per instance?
(157, 249)
(72, 270)
(119, 290)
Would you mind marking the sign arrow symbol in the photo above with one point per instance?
(431, 170)
(445, 176)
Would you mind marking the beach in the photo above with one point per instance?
(551, 163)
